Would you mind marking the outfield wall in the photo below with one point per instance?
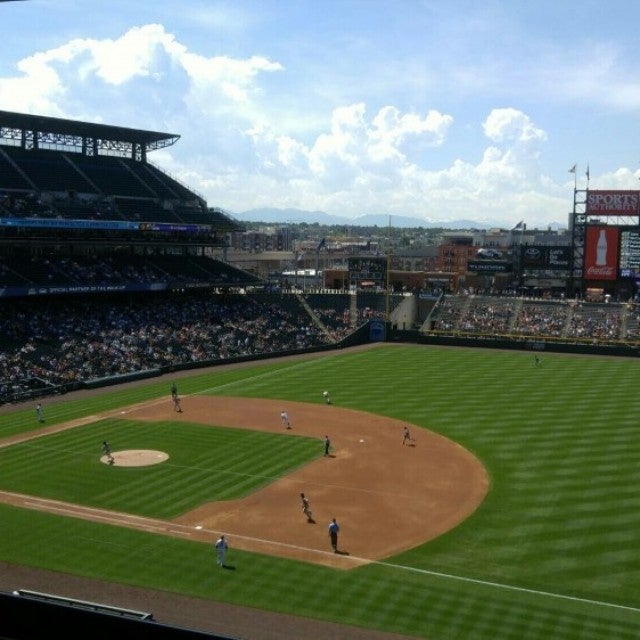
(516, 343)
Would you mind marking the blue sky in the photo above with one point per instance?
(440, 110)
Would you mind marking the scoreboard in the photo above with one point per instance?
(629, 252)
(368, 272)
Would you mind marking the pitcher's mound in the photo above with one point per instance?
(135, 458)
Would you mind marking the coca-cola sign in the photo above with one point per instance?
(601, 253)
(613, 203)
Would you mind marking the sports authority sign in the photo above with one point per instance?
(613, 203)
(601, 253)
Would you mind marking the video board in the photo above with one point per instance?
(629, 252)
(367, 270)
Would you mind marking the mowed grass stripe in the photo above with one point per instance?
(205, 464)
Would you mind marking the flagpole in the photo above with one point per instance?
(574, 170)
(388, 277)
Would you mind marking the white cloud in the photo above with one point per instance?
(343, 157)
(511, 125)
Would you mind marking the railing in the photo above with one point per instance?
(591, 341)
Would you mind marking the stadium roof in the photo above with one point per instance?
(61, 127)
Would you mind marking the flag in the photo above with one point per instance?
(519, 226)
(587, 172)
(573, 169)
(323, 243)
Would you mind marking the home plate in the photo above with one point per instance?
(361, 440)
(198, 527)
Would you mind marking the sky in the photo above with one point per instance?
(439, 110)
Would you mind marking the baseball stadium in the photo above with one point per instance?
(509, 512)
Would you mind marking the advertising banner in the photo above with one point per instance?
(376, 331)
(545, 257)
(558, 257)
(613, 203)
(601, 253)
(61, 223)
(533, 256)
(19, 291)
(487, 266)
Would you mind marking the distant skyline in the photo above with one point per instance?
(430, 109)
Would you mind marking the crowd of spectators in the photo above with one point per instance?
(487, 317)
(568, 319)
(120, 271)
(337, 321)
(448, 312)
(541, 320)
(595, 321)
(50, 342)
(633, 324)
(61, 343)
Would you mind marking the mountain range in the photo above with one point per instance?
(297, 216)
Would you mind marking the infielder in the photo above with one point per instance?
(306, 509)
(221, 550)
(284, 418)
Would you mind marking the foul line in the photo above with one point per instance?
(258, 376)
(437, 574)
(508, 587)
(163, 399)
(172, 528)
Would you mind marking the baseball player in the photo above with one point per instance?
(284, 418)
(326, 396)
(334, 528)
(106, 450)
(221, 547)
(306, 509)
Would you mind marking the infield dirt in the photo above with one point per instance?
(387, 497)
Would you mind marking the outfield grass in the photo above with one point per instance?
(553, 551)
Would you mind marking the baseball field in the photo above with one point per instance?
(513, 513)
